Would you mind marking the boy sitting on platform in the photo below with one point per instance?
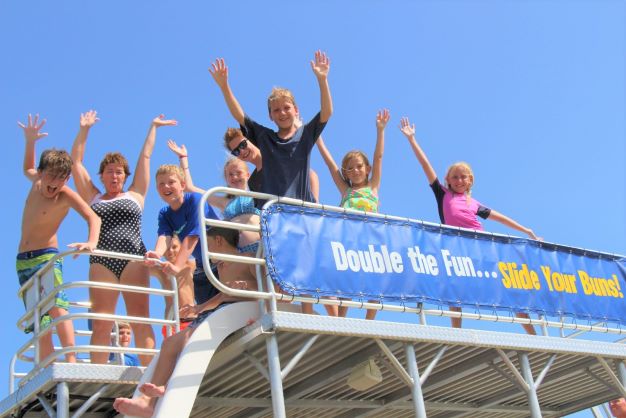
(47, 204)
(234, 275)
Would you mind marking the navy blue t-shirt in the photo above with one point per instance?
(285, 161)
(184, 221)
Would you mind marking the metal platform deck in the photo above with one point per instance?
(463, 372)
(470, 378)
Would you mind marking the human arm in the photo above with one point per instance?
(215, 301)
(159, 249)
(93, 220)
(335, 172)
(320, 66)
(186, 249)
(505, 220)
(183, 157)
(219, 72)
(409, 131)
(382, 117)
(85, 187)
(314, 182)
(32, 133)
(141, 180)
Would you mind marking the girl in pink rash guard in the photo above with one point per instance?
(455, 204)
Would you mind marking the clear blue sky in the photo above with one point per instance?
(531, 93)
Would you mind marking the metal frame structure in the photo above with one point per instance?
(284, 363)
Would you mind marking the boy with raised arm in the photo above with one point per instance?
(286, 152)
(180, 217)
(47, 204)
(234, 275)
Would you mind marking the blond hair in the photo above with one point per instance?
(171, 169)
(350, 155)
(234, 160)
(465, 166)
(280, 93)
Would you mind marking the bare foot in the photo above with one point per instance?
(138, 407)
(152, 390)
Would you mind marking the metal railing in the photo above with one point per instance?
(33, 314)
(423, 310)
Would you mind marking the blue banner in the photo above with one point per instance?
(315, 252)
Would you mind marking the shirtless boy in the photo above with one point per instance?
(235, 275)
(47, 204)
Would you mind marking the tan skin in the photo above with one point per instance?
(184, 279)
(235, 275)
(461, 181)
(49, 201)
(356, 175)
(236, 174)
(114, 178)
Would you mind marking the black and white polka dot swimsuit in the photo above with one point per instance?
(120, 231)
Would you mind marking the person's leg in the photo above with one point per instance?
(530, 330)
(143, 405)
(371, 313)
(45, 344)
(103, 302)
(65, 331)
(456, 322)
(137, 304)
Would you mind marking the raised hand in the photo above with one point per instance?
(219, 72)
(32, 130)
(88, 119)
(320, 65)
(179, 151)
(382, 117)
(159, 121)
(406, 127)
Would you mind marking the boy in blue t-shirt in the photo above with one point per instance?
(285, 153)
(180, 218)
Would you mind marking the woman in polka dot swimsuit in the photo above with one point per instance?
(120, 212)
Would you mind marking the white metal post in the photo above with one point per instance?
(276, 381)
(416, 388)
(63, 400)
(533, 400)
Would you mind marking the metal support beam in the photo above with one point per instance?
(533, 400)
(87, 404)
(543, 373)
(46, 406)
(256, 363)
(416, 389)
(395, 363)
(276, 382)
(432, 364)
(295, 359)
(63, 400)
(612, 376)
(516, 374)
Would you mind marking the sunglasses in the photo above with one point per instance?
(242, 145)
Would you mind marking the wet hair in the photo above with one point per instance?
(114, 158)
(350, 155)
(280, 93)
(468, 168)
(230, 235)
(230, 135)
(171, 169)
(56, 161)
